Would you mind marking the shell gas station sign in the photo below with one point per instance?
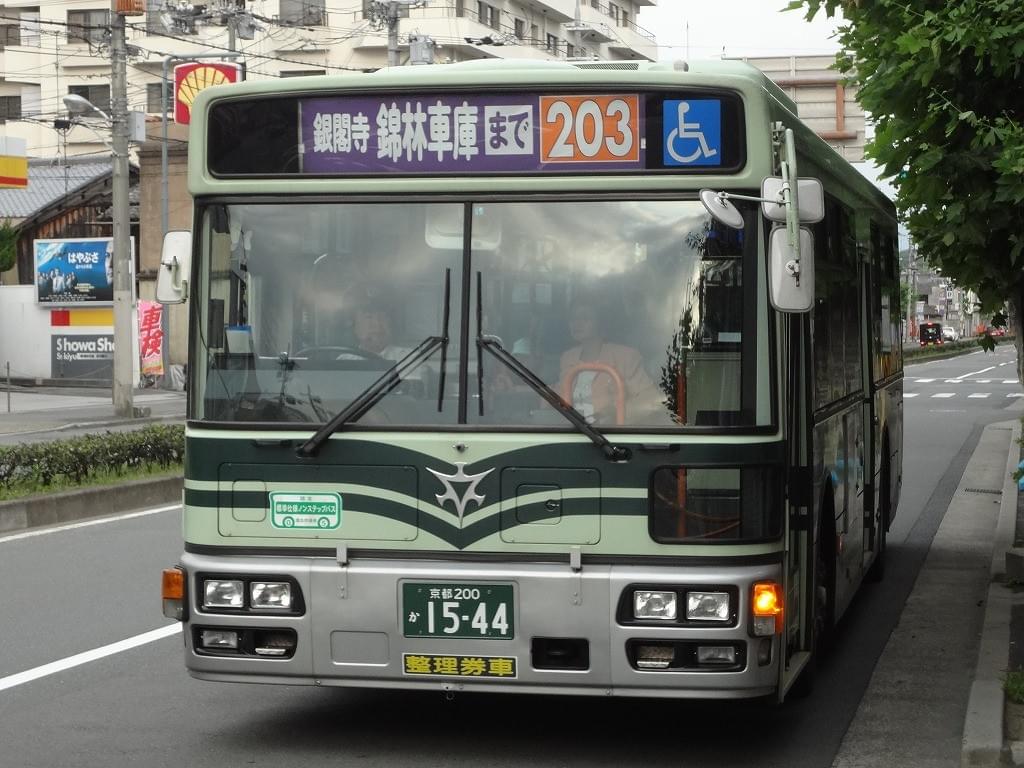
(13, 163)
(191, 78)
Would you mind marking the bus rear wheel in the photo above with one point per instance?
(876, 572)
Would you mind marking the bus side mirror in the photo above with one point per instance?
(790, 278)
(811, 199)
(175, 264)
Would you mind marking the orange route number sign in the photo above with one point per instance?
(590, 129)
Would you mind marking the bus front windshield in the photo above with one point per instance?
(639, 313)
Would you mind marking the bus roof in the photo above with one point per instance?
(764, 103)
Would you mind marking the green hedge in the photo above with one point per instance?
(80, 458)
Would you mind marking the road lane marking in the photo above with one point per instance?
(1009, 381)
(979, 394)
(944, 394)
(924, 381)
(87, 523)
(1016, 394)
(983, 381)
(95, 654)
(951, 381)
(910, 394)
(974, 373)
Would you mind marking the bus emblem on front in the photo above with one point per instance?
(468, 495)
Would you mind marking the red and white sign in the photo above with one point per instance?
(151, 338)
(190, 79)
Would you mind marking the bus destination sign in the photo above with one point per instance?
(472, 134)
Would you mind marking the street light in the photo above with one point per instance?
(124, 366)
(79, 105)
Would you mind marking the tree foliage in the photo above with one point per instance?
(8, 245)
(944, 85)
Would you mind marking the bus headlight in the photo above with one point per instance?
(654, 605)
(219, 593)
(270, 595)
(707, 606)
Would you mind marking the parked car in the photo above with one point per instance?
(949, 333)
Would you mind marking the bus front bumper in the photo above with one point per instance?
(402, 623)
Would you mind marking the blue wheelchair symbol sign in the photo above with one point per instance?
(692, 132)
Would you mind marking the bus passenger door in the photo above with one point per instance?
(796, 641)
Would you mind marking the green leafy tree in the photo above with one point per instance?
(8, 246)
(944, 85)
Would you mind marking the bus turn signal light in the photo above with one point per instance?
(767, 608)
(173, 592)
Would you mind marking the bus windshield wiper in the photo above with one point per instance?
(612, 452)
(370, 396)
(390, 379)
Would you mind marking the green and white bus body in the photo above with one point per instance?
(535, 246)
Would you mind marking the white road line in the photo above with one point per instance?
(980, 394)
(84, 658)
(923, 381)
(1009, 381)
(910, 394)
(983, 381)
(944, 394)
(1016, 394)
(86, 523)
(975, 373)
(952, 381)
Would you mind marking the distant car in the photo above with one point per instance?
(1000, 331)
(930, 334)
(949, 333)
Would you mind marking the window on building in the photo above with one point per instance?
(153, 98)
(551, 43)
(88, 26)
(613, 11)
(624, 19)
(570, 51)
(301, 72)
(97, 95)
(534, 33)
(303, 13)
(10, 108)
(520, 28)
(488, 15)
(10, 34)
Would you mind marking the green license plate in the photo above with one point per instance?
(458, 610)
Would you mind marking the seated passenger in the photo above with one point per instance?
(594, 392)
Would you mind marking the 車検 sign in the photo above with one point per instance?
(75, 271)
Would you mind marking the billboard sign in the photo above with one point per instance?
(83, 356)
(74, 271)
(191, 78)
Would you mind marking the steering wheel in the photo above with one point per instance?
(326, 354)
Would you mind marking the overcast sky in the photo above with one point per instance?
(739, 27)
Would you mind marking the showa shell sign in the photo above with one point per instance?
(76, 271)
(190, 79)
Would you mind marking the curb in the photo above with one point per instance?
(983, 737)
(69, 506)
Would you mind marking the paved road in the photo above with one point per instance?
(81, 589)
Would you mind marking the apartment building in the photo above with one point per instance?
(50, 49)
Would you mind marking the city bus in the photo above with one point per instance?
(530, 377)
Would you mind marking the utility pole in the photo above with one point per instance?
(386, 14)
(392, 21)
(124, 299)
